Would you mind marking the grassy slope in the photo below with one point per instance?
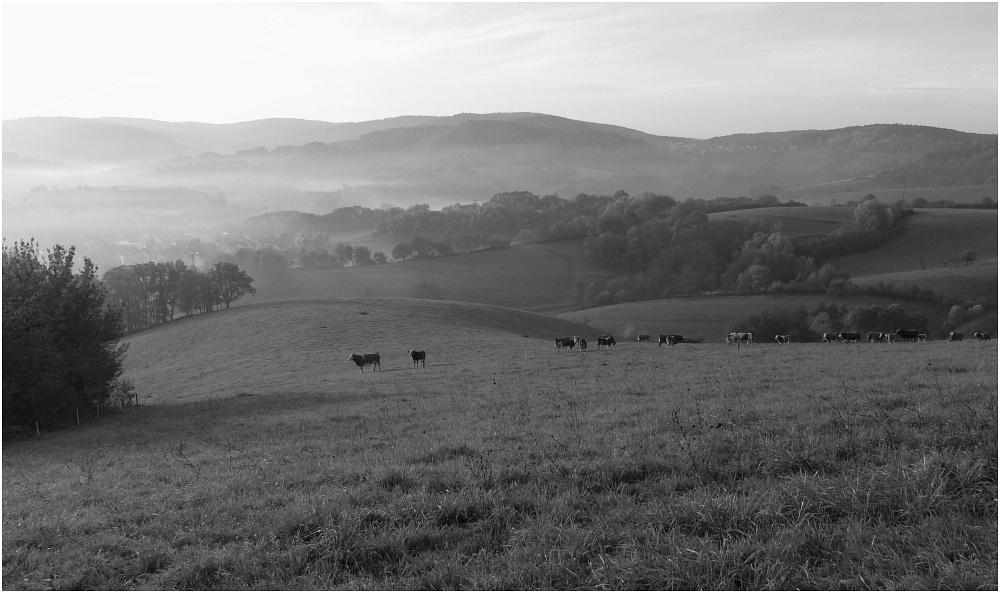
(305, 345)
(935, 235)
(505, 465)
(707, 318)
(540, 277)
(813, 220)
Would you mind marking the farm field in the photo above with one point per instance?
(540, 277)
(707, 319)
(261, 458)
(810, 220)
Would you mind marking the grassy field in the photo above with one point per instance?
(707, 319)
(814, 220)
(842, 193)
(506, 465)
(541, 277)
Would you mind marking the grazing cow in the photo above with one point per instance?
(849, 337)
(731, 338)
(608, 341)
(643, 338)
(875, 337)
(583, 344)
(907, 335)
(982, 336)
(565, 343)
(955, 337)
(419, 357)
(670, 339)
(782, 339)
(364, 359)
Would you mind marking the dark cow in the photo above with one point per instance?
(419, 357)
(782, 339)
(874, 337)
(608, 341)
(907, 335)
(744, 337)
(982, 336)
(955, 337)
(849, 337)
(583, 344)
(565, 343)
(364, 359)
(829, 337)
(643, 338)
(670, 339)
(921, 337)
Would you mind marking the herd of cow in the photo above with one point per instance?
(419, 357)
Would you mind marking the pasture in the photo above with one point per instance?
(261, 458)
(707, 318)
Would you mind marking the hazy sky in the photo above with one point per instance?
(695, 70)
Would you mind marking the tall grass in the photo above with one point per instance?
(705, 467)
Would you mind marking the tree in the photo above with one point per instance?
(362, 256)
(379, 257)
(967, 256)
(231, 282)
(402, 251)
(60, 337)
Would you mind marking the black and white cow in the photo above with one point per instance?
(921, 337)
(874, 337)
(955, 337)
(982, 336)
(829, 337)
(419, 357)
(731, 338)
(744, 338)
(907, 335)
(583, 344)
(670, 339)
(780, 339)
(642, 338)
(365, 359)
(608, 341)
(565, 343)
(849, 337)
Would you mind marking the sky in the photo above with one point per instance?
(694, 70)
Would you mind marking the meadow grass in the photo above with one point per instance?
(702, 466)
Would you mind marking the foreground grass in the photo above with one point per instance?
(807, 466)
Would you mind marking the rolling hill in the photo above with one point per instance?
(477, 155)
(303, 346)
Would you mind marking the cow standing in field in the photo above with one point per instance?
(583, 344)
(365, 359)
(955, 337)
(907, 335)
(874, 337)
(921, 337)
(850, 337)
(565, 343)
(670, 339)
(743, 338)
(643, 338)
(608, 341)
(982, 336)
(419, 357)
(731, 338)
(780, 339)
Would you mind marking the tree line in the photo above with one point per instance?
(152, 293)
(803, 325)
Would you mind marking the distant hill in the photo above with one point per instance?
(473, 156)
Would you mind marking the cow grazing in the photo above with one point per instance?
(780, 339)
(849, 337)
(365, 359)
(982, 336)
(608, 341)
(907, 335)
(670, 339)
(731, 338)
(419, 357)
(565, 343)
(955, 337)
(642, 338)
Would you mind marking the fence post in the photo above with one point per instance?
(37, 432)
(78, 416)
